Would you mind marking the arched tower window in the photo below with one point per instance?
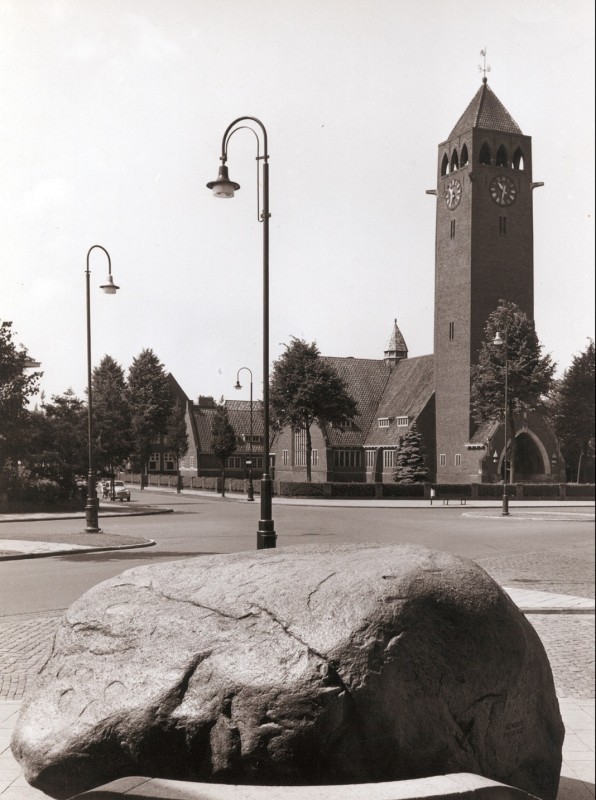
(445, 165)
(464, 156)
(518, 159)
(454, 161)
(501, 156)
(484, 157)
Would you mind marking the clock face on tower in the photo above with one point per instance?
(502, 190)
(453, 193)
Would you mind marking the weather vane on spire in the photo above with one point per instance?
(484, 68)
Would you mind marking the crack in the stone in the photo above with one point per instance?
(318, 586)
(286, 628)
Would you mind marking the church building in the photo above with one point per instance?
(483, 254)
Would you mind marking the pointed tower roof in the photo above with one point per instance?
(485, 111)
(396, 346)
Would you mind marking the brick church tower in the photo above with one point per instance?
(484, 253)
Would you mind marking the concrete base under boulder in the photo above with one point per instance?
(296, 666)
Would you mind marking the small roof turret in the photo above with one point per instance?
(396, 346)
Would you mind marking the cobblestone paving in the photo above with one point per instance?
(543, 572)
(568, 640)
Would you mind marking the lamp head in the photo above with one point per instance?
(223, 186)
(110, 287)
(495, 456)
(238, 385)
(498, 340)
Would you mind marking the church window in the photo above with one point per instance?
(370, 458)
(502, 156)
(454, 161)
(445, 165)
(383, 422)
(388, 458)
(502, 225)
(314, 457)
(452, 229)
(192, 462)
(484, 157)
(347, 458)
(458, 459)
(451, 331)
(284, 457)
(403, 422)
(442, 460)
(464, 156)
(300, 448)
(518, 159)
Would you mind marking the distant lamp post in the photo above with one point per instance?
(224, 187)
(500, 342)
(91, 507)
(250, 490)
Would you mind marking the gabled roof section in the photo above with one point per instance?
(485, 111)
(366, 380)
(408, 390)
(239, 416)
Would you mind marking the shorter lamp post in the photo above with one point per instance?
(499, 342)
(250, 490)
(92, 505)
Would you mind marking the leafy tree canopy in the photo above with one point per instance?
(223, 439)
(305, 388)
(17, 385)
(529, 373)
(572, 410)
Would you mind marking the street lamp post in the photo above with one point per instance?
(499, 341)
(224, 187)
(91, 507)
(250, 491)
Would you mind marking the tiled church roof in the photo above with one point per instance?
(366, 379)
(485, 111)
(409, 388)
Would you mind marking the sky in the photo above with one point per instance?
(112, 116)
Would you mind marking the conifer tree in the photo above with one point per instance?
(111, 415)
(410, 464)
(150, 402)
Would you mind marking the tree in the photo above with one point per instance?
(16, 387)
(306, 389)
(150, 403)
(572, 411)
(223, 440)
(64, 440)
(529, 373)
(177, 436)
(410, 464)
(111, 415)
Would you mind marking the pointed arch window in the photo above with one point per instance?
(518, 159)
(454, 161)
(484, 156)
(502, 156)
(445, 165)
(464, 156)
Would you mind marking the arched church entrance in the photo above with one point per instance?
(529, 462)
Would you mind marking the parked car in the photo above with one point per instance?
(121, 491)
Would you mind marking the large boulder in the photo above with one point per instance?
(301, 665)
